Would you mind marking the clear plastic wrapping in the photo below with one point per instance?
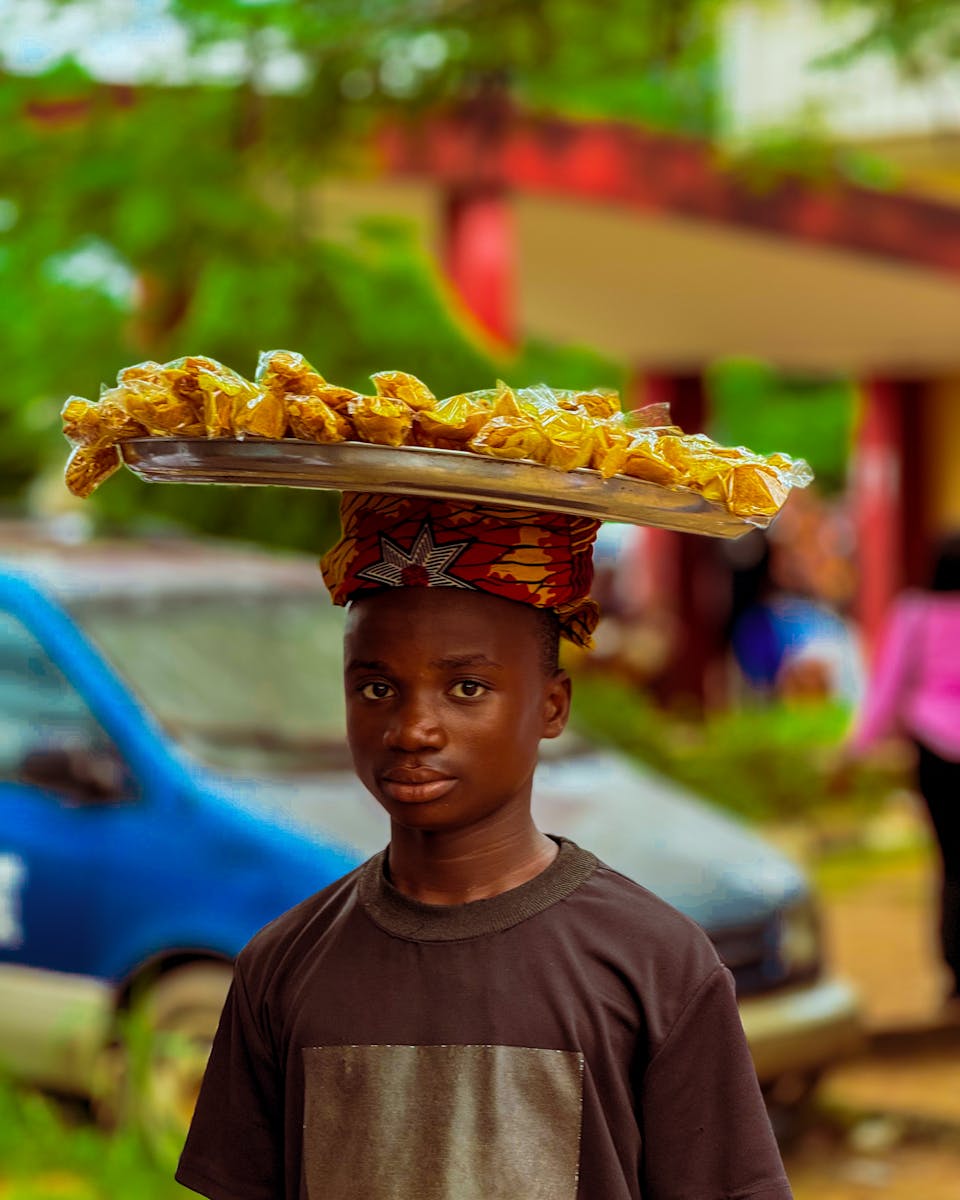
(564, 429)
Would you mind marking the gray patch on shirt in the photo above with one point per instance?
(441, 1122)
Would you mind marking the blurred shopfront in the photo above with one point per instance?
(642, 246)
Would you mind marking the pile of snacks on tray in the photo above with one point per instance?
(197, 397)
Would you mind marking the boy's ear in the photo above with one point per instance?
(556, 704)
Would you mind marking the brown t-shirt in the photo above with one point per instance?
(574, 1038)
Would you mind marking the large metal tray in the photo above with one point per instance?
(452, 474)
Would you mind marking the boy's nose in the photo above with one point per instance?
(415, 727)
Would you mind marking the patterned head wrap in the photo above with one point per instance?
(539, 558)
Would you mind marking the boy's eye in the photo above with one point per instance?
(376, 690)
(468, 689)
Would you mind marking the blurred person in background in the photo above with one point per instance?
(914, 691)
(787, 642)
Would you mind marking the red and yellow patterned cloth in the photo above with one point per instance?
(539, 558)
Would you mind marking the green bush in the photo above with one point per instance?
(47, 1154)
(770, 762)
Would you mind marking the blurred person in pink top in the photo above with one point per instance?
(915, 692)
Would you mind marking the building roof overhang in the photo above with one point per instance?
(644, 246)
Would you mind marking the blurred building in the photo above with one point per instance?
(647, 247)
(658, 251)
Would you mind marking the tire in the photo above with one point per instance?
(152, 1071)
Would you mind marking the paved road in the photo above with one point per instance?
(889, 1124)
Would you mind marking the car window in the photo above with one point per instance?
(246, 683)
(48, 735)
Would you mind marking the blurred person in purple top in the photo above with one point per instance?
(915, 691)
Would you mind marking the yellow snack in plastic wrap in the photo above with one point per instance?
(570, 438)
(452, 422)
(514, 437)
(398, 385)
(382, 420)
(599, 404)
(287, 372)
(645, 460)
(153, 403)
(611, 441)
(96, 425)
(88, 466)
(312, 420)
(214, 391)
(746, 484)
(149, 372)
(339, 398)
(264, 415)
(748, 489)
(233, 405)
(504, 403)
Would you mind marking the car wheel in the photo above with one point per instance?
(151, 1074)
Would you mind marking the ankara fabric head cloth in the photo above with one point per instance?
(532, 557)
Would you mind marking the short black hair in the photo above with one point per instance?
(548, 635)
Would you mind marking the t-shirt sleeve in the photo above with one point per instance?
(234, 1149)
(706, 1133)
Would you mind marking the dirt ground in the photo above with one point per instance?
(887, 1124)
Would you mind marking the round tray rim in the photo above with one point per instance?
(429, 471)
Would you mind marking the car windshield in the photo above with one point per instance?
(247, 683)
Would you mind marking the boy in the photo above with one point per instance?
(481, 1011)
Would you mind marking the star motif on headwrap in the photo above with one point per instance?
(426, 565)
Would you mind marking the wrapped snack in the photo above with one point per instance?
(88, 466)
(511, 438)
(288, 383)
(749, 489)
(381, 419)
(504, 403)
(453, 421)
(570, 438)
(644, 460)
(599, 404)
(312, 420)
(145, 392)
(514, 430)
(338, 398)
(288, 373)
(96, 425)
(611, 441)
(747, 484)
(214, 391)
(264, 414)
(398, 385)
(144, 372)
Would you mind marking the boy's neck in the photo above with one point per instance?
(459, 866)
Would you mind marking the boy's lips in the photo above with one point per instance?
(415, 785)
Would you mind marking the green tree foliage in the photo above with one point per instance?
(921, 37)
(151, 221)
(167, 221)
(751, 404)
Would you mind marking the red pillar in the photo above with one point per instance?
(891, 517)
(687, 580)
(479, 253)
(878, 500)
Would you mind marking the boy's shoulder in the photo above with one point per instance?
(630, 909)
(308, 920)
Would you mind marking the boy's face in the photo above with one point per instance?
(447, 701)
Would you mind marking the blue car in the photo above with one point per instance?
(173, 775)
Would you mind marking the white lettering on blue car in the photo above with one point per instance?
(13, 873)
